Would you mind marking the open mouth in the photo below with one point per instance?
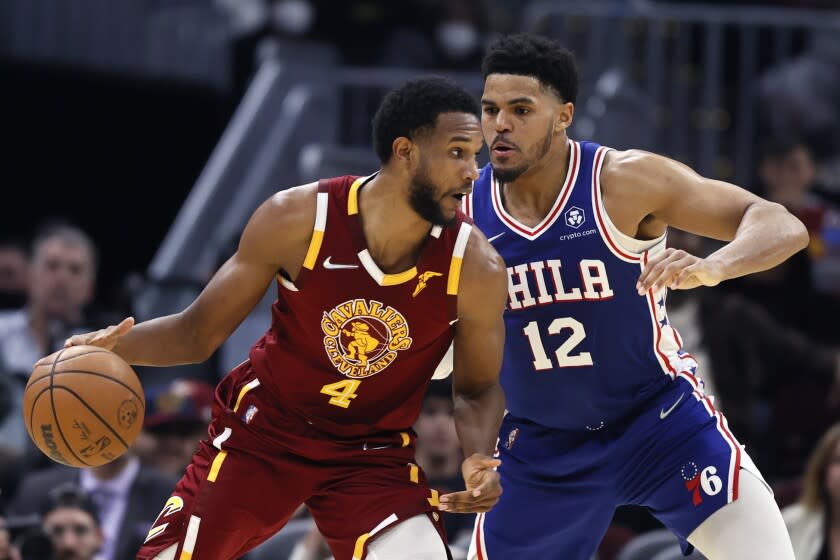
(502, 150)
(459, 196)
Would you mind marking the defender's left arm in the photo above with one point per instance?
(761, 234)
(478, 397)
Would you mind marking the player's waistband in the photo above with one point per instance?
(247, 405)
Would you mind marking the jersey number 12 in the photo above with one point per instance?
(564, 355)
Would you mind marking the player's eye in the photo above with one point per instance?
(456, 152)
(522, 110)
(491, 110)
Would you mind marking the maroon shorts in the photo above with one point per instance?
(260, 464)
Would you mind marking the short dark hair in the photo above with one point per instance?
(415, 106)
(69, 495)
(542, 58)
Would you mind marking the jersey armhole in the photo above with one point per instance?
(454, 277)
(623, 246)
(322, 199)
(320, 227)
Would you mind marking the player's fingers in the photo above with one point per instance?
(486, 462)
(463, 502)
(654, 268)
(124, 326)
(671, 271)
(663, 273)
(684, 279)
(454, 500)
(490, 487)
(75, 340)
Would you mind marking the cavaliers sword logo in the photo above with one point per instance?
(422, 280)
(364, 337)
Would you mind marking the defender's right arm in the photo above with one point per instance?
(276, 238)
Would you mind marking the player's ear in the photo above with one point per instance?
(403, 150)
(565, 116)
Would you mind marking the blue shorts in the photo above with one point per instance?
(676, 456)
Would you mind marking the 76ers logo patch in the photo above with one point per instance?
(697, 480)
(364, 337)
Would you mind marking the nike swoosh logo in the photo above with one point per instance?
(495, 237)
(329, 265)
(663, 413)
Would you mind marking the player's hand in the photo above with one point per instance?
(677, 270)
(104, 338)
(483, 488)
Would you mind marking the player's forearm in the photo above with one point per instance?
(164, 341)
(768, 235)
(477, 419)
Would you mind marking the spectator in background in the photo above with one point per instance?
(61, 283)
(177, 415)
(7, 550)
(70, 519)
(787, 173)
(14, 264)
(814, 522)
(127, 495)
(439, 453)
(770, 380)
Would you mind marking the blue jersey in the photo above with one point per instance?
(583, 349)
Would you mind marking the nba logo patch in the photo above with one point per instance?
(511, 438)
(249, 414)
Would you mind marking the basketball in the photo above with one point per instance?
(83, 406)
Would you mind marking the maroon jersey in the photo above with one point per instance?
(351, 349)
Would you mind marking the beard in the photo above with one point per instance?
(512, 174)
(422, 198)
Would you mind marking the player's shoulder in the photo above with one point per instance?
(294, 198)
(481, 260)
(286, 218)
(631, 164)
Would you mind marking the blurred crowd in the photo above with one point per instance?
(768, 344)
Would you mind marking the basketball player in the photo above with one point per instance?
(605, 405)
(321, 412)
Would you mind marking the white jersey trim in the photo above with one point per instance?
(624, 247)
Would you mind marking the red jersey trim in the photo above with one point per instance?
(532, 233)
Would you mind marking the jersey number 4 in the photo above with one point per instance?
(564, 355)
(341, 391)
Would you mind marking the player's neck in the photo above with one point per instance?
(393, 231)
(532, 195)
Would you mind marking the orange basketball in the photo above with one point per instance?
(83, 407)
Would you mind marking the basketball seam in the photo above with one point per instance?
(97, 374)
(95, 413)
(58, 361)
(55, 416)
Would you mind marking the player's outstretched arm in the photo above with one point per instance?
(478, 397)
(654, 192)
(276, 237)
